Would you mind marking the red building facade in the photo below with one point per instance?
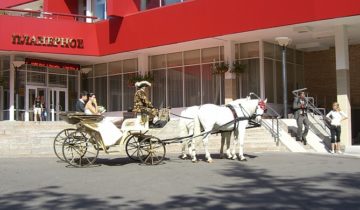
(178, 41)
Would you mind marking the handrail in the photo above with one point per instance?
(274, 129)
(45, 14)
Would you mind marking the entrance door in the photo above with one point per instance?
(58, 102)
(1, 103)
(55, 101)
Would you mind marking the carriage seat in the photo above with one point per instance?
(126, 115)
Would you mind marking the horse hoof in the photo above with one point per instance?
(194, 161)
(221, 156)
(210, 161)
(233, 157)
(183, 157)
(242, 159)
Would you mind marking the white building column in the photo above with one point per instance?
(262, 69)
(343, 81)
(143, 63)
(230, 78)
(12, 89)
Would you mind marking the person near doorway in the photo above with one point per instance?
(300, 107)
(44, 111)
(80, 104)
(142, 105)
(335, 116)
(91, 106)
(37, 107)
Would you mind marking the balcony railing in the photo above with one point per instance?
(47, 15)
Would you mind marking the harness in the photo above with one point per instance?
(232, 109)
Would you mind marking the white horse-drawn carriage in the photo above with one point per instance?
(80, 146)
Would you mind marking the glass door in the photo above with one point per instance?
(1, 103)
(58, 102)
(30, 95)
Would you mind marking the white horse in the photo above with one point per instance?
(212, 117)
(186, 125)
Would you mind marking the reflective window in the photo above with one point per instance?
(175, 87)
(100, 8)
(159, 88)
(115, 93)
(192, 86)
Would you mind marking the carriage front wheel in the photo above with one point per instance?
(151, 151)
(80, 150)
(59, 141)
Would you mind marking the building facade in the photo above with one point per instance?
(55, 49)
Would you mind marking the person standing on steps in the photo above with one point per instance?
(300, 107)
(335, 116)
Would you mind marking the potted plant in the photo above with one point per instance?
(220, 68)
(138, 77)
(238, 68)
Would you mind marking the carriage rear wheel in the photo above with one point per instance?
(59, 141)
(151, 151)
(80, 150)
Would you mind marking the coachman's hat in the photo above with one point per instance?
(142, 84)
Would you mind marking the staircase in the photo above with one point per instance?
(28, 138)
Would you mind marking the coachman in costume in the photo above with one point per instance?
(142, 105)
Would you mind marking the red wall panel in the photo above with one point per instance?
(122, 7)
(12, 3)
(176, 23)
(48, 28)
(63, 6)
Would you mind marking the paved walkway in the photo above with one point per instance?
(265, 181)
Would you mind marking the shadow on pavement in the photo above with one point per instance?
(253, 189)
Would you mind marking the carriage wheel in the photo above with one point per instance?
(132, 145)
(151, 151)
(80, 150)
(59, 140)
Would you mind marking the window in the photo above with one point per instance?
(129, 92)
(273, 72)
(249, 81)
(159, 84)
(186, 78)
(99, 7)
(101, 91)
(192, 85)
(150, 4)
(115, 93)
(175, 87)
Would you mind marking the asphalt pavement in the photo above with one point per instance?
(265, 181)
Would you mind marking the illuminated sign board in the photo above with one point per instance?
(47, 41)
(51, 64)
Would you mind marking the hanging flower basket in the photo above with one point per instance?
(138, 78)
(220, 68)
(238, 68)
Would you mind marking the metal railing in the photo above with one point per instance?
(274, 128)
(46, 15)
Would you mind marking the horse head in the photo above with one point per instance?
(260, 109)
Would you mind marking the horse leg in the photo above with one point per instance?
(228, 138)
(207, 153)
(242, 129)
(183, 150)
(193, 151)
(223, 137)
(236, 141)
